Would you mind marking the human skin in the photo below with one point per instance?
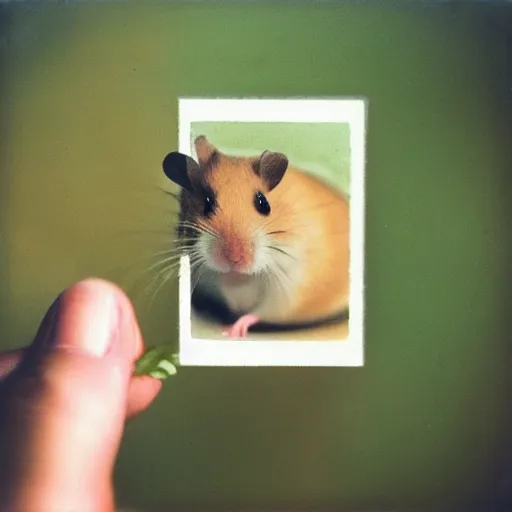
(64, 401)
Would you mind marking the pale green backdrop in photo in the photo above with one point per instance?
(320, 148)
(89, 101)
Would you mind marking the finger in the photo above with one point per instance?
(89, 317)
(141, 393)
(9, 361)
(66, 400)
(57, 329)
(142, 390)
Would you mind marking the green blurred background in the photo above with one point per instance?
(89, 108)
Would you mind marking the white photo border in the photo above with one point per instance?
(345, 353)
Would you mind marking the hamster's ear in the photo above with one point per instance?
(207, 153)
(271, 167)
(179, 168)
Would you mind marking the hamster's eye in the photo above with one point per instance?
(261, 204)
(209, 205)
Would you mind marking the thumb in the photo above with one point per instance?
(62, 409)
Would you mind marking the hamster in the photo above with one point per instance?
(268, 244)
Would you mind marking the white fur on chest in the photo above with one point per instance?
(259, 296)
(243, 296)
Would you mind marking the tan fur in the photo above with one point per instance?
(315, 219)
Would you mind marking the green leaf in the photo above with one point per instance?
(157, 362)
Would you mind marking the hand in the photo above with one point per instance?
(64, 401)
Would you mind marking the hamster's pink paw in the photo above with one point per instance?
(241, 327)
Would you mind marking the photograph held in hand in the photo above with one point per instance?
(270, 231)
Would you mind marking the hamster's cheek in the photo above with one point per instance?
(215, 254)
(204, 244)
(261, 252)
(209, 252)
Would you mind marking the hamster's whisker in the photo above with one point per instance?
(163, 261)
(169, 193)
(287, 278)
(145, 276)
(196, 259)
(168, 263)
(157, 282)
(199, 268)
(295, 229)
(182, 239)
(198, 227)
(165, 272)
(154, 266)
(210, 231)
(196, 231)
(276, 274)
(185, 246)
(193, 250)
(164, 275)
(172, 250)
(150, 285)
(282, 251)
(189, 224)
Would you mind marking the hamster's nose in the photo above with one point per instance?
(233, 253)
(237, 252)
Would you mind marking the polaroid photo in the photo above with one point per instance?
(273, 220)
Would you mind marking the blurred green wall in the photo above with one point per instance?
(89, 109)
